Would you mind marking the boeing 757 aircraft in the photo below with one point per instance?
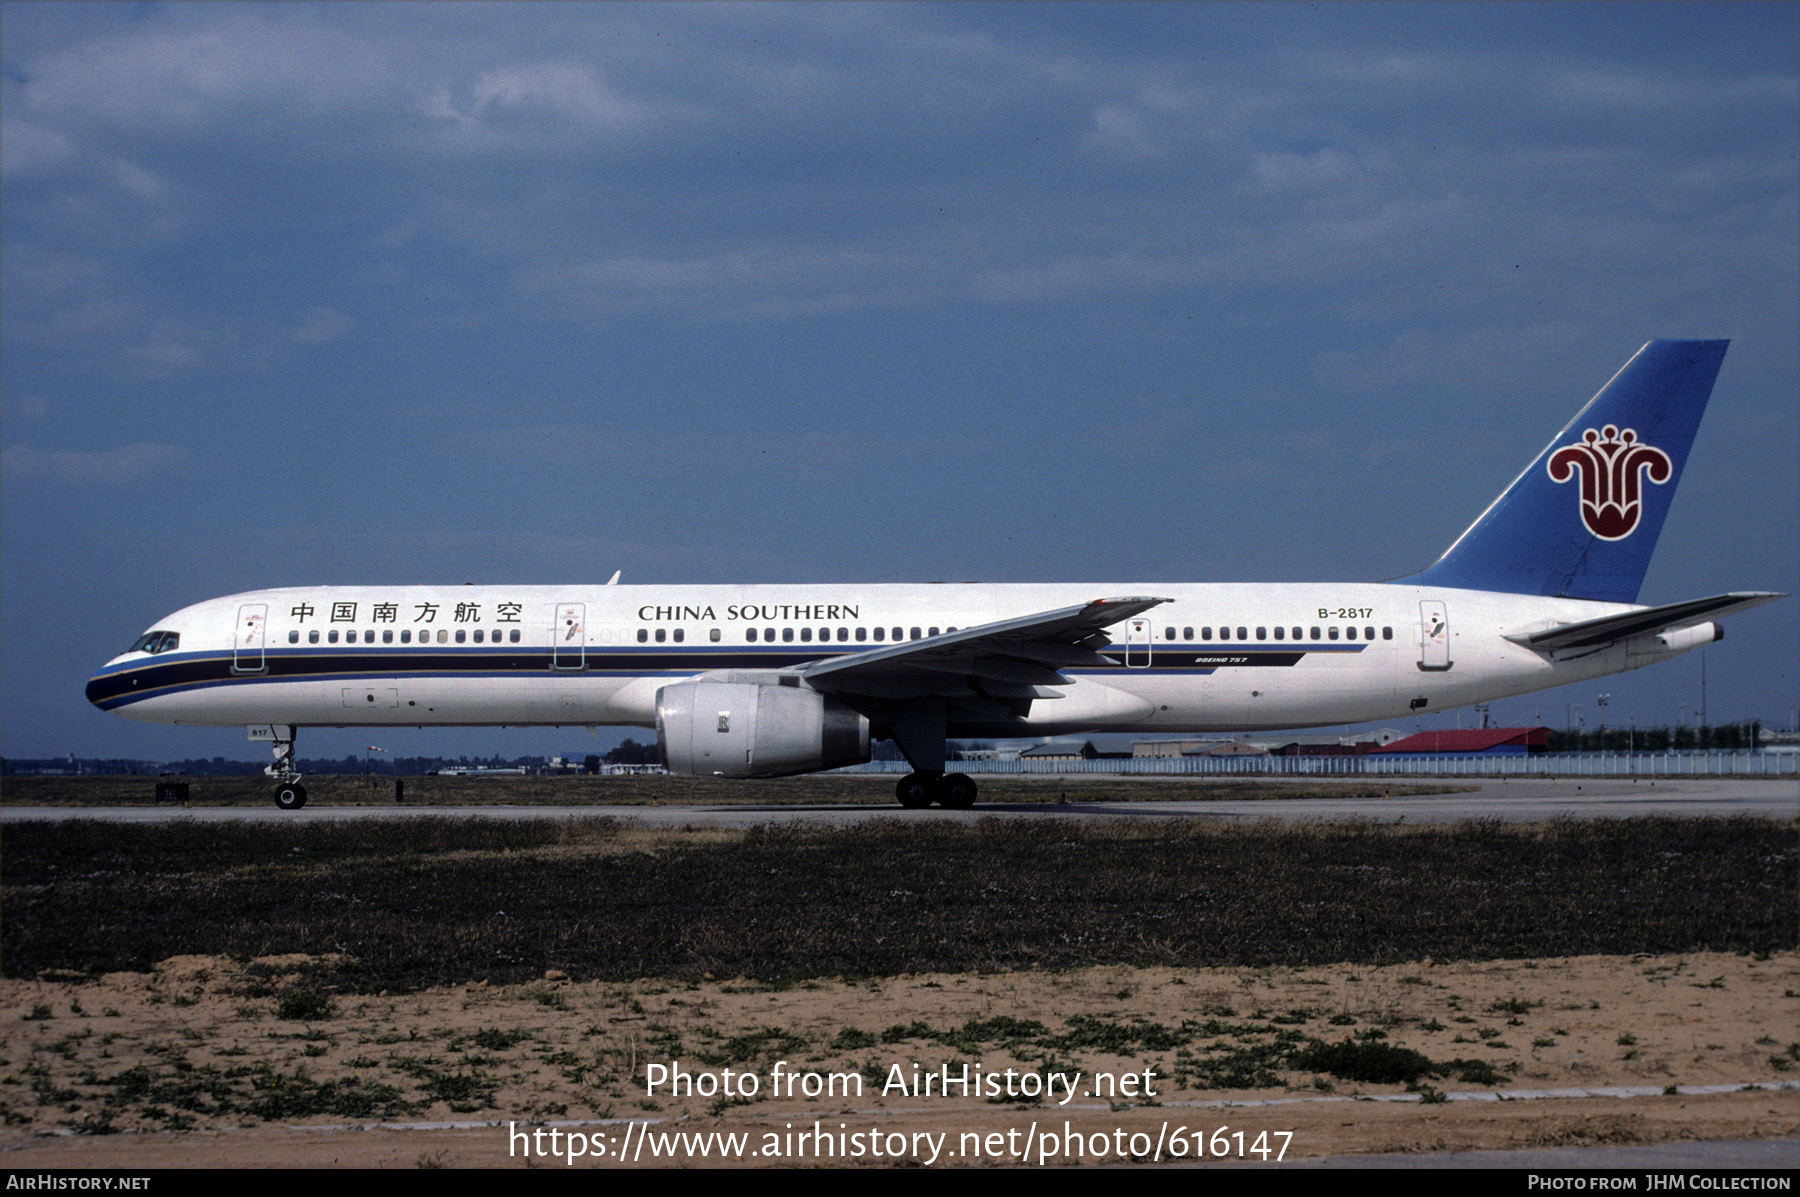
(768, 681)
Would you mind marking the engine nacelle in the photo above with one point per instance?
(1674, 640)
(738, 729)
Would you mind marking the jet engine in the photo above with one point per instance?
(740, 729)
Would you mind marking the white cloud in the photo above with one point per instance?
(139, 183)
(106, 467)
(321, 325)
(197, 66)
(1117, 130)
(30, 149)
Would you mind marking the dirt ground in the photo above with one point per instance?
(207, 1062)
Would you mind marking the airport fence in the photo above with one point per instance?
(1710, 763)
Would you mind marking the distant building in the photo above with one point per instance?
(1778, 741)
(1061, 750)
(1164, 749)
(1237, 748)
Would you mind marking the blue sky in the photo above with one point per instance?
(298, 294)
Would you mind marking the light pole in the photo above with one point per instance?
(1602, 700)
(1700, 715)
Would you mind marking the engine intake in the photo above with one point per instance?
(737, 729)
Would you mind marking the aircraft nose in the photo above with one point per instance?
(104, 689)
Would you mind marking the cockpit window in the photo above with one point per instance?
(156, 642)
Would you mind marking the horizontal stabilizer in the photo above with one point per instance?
(1606, 629)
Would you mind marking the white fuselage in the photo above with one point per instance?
(1216, 658)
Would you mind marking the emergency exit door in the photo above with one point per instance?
(1137, 643)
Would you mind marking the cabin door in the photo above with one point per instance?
(569, 636)
(1434, 636)
(251, 635)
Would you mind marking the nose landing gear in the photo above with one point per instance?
(289, 793)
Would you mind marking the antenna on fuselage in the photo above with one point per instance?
(614, 580)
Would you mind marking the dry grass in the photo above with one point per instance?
(413, 903)
(814, 790)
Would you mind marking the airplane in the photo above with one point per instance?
(770, 681)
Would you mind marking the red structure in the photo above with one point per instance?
(1498, 740)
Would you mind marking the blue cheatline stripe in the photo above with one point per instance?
(121, 685)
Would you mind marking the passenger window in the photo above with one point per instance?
(862, 634)
(1279, 632)
(1206, 633)
(750, 635)
(769, 635)
(713, 635)
(443, 636)
(293, 637)
(1387, 633)
(1368, 633)
(406, 635)
(1262, 633)
(931, 631)
(331, 636)
(680, 635)
(1350, 633)
(787, 635)
(643, 635)
(387, 635)
(312, 637)
(899, 634)
(1169, 633)
(806, 635)
(1187, 633)
(662, 635)
(1331, 632)
(514, 636)
(1243, 634)
(459, 635)
(824, 635)
(478, 635)
(1297, 634)
(1315, 633)
(1224, 633)
(880, 634)
(915, 633)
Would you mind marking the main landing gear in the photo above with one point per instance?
(954, 791)
(289, 793)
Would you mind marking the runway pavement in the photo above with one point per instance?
(1509, 800)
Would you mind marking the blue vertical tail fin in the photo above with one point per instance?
(1583, 518)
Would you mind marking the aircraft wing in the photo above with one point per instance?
(1009, 659)
(1591, 632)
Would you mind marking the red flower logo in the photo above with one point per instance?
(1612, 465)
